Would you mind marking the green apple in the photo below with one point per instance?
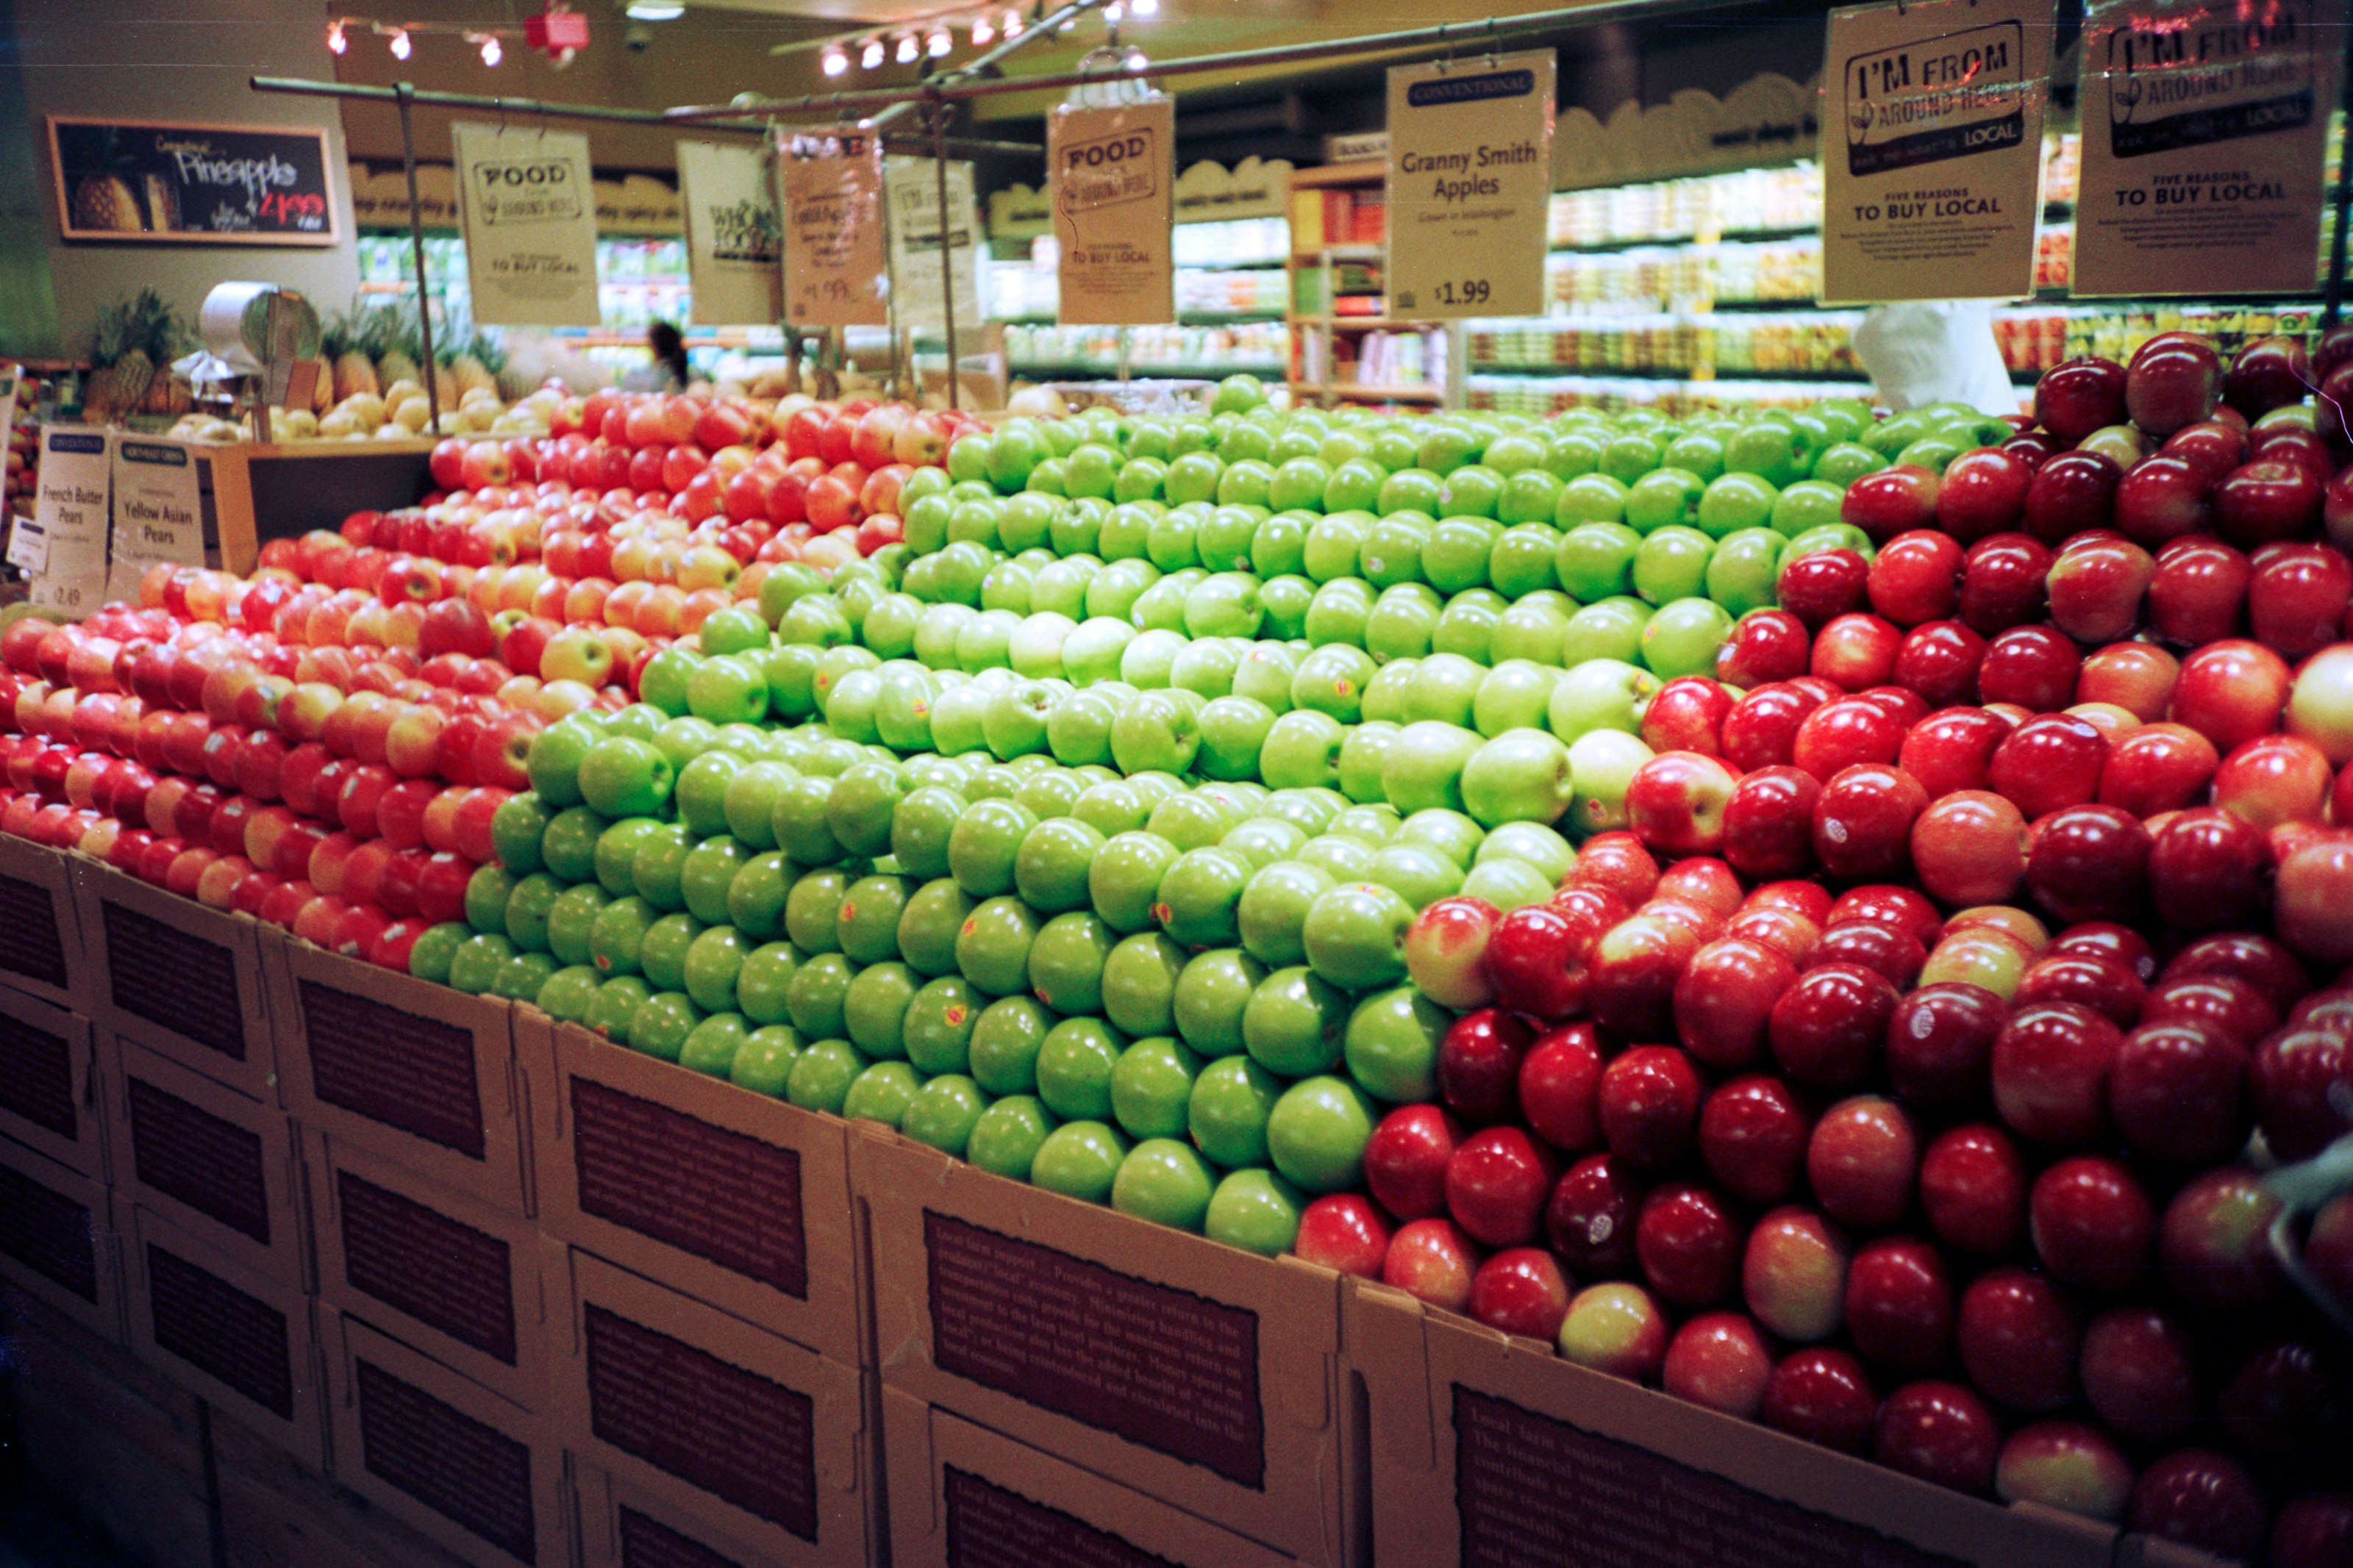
(623, 777)
(1403, 623)
(1534, 630)
(1424, 765)
(568, 993)
(1263, 841)
(992, 946)
(1233, 734)
(1522, 775)
(1317, 1132)
(1094, 649)
(1285, 601)
(1332, 680)
(1387, 695)
(1466, 627)
(1256, 1210)
(1165, 1181)
(763, 1061)
(661, 1024)
(665, 679)
(1516, 694)
(1602, 763)
(1212, 994)
(874, 1009)
(706, 875)
(1742, 575)
(1445, 689)
(524, 918)
(923, 825)
(1600, 694)
(516, 829)
(1080, 1160)
(572, 922)
(1450, 833)
(882, 1093)
(822, 1075)
(617, 1002)
(1006, 1038)
(1111, 808)
(1738, 500)
(1507, 884)
(1139, 984)
(711, 1047)
(1521, 559)
(1006, 1138)
(1226, 1113)
(944, 1112)
(1206, 666)
(1591, 497)
(519, 978)
(1663, 498)
(712, 961)
(567, 850)
(1272, 909)
(1264, 674)
(1364, 753)
(1224, 605)
(1301, 750)
(1051, 870)
(1415, 872)
(1074, 1068)
(813, 911)
(1337, 612)
(1066, 962)
(927, 930)
(985, 843)
(1156, 733)
(1125, 881)
(1198, 896)
(1293, 1024)
(763, 985)
(1390, 1043)
(1354, 936)
(816, 996)
(937, 1029)
(748, 807)
(1533, 842)
(1152, 1088)
(1683, 638)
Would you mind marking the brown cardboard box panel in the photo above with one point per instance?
(624, 1525)
(243, 1341)
(275, 1513)
(414, 1071)
(727, 1196)
(1489, 1452)
(1193, 1373)
(220, 1167)
(768, 1440)
(478, 1476)
(177, 977)
(58, 1241)
(964, 1497)
(462, 1281)
(49, 1096)
(40, 933)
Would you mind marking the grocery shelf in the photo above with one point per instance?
(1363, 392)
(1184, 318)
(1663, 372)
(1048, 369)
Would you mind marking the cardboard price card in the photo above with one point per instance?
(1936, 193)
(911, 187)
(734, 245)
(2205, 142)
(1113, 171)
(69, 519)
(1470, 186)
(528, 206)
(836, 264)
(158, 513)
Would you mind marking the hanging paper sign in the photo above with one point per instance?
(912, 186)
(1936, 193)
(836, 263)
(528, 207)
(158, 513)
(1470, 186)
(734, 246)
(1112, 174)
(64, 550)
(2205, 130)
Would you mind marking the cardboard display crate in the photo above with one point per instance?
(727, 1196)
(219, 1166)
(624, 1525)
(245, 1343)
(40, 931)
(177, 977)
(768, 1440)
(479, 1477)
(460, 1280)
(964, 1497)
(49, 1096)
(1196, 1374)
(414, 1071)
(1488, 1451)
(57, 1241)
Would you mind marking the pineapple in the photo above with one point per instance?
(107, 202)
(124, 372)
(340, 341)
(466, 372)
(395, 344)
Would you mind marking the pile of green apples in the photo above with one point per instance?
(1082, 835)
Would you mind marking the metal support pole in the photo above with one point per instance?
(947, 248)
(406, 93)
(2343, 195)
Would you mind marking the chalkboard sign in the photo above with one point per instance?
(192, 185)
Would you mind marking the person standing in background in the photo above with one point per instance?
(669, 373)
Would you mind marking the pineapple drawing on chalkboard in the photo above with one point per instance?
(103, 197)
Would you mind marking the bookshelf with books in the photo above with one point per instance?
(1345, 348)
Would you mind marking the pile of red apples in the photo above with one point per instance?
(323, 744)
(1902, 1075)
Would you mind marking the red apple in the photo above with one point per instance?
(1900, 1305)
(1407, 1158)
(1496, 1184)
(1520, 1291)
(2067, 1466)
(1939, 1432)
(2139, 1370)
(1718, 1360)
(1433, 1261)
(1822, 1396)
(1753, 1133)
(1589, 1219)
(1342, 1232)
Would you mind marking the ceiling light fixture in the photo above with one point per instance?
(1115, 13)
(939, 43)
(399, 46)
(1011, 26)
(655, 10)
(983, 35)
(1145, 7)
(493, 51)
(905, 53)
(336, 42)
(870, 56)
(1135, 61)
(834, 62)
